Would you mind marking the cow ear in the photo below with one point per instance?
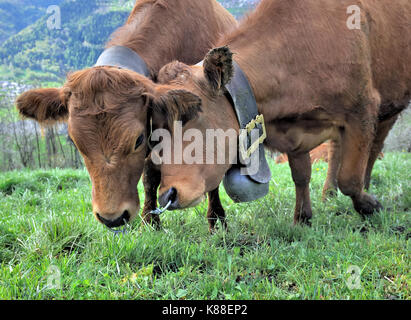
(46, 106)
(177, 105)
(218, 67)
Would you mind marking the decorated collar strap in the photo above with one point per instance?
(248, 146)
(124, 58)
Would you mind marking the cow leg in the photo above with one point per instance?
(301, 173)
(383, 130)
(151, 182)
(334, 158)
(215, 210)
(355, 154)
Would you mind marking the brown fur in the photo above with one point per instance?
(108, 109)
(179, 29)
(314, 80)
(318, 154)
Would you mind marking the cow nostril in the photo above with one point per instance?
(170, 195)
(126, 216)
(173, 195)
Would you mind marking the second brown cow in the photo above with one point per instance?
(314, 79)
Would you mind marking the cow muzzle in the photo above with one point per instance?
(117, 219)
(120, 221)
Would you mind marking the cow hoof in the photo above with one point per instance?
(329, 194)
(367, 205)
(303, 219)
(212, 228)
(151, 219)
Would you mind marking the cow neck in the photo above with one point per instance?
(241, 96)
(123, 58)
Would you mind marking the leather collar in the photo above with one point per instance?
(245, 106)
(123, 58)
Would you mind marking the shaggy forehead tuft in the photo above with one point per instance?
(104, 90)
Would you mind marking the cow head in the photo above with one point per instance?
(187, 177)
(108, 112)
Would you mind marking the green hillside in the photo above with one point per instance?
(15, 15)
(38, 53)
(32, 52)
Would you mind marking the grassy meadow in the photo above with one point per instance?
(51, 247)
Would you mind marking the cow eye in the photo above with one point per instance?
(139, 141)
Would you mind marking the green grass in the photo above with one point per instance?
(46, 226)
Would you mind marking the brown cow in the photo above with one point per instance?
(108, 108)
(314, 79)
